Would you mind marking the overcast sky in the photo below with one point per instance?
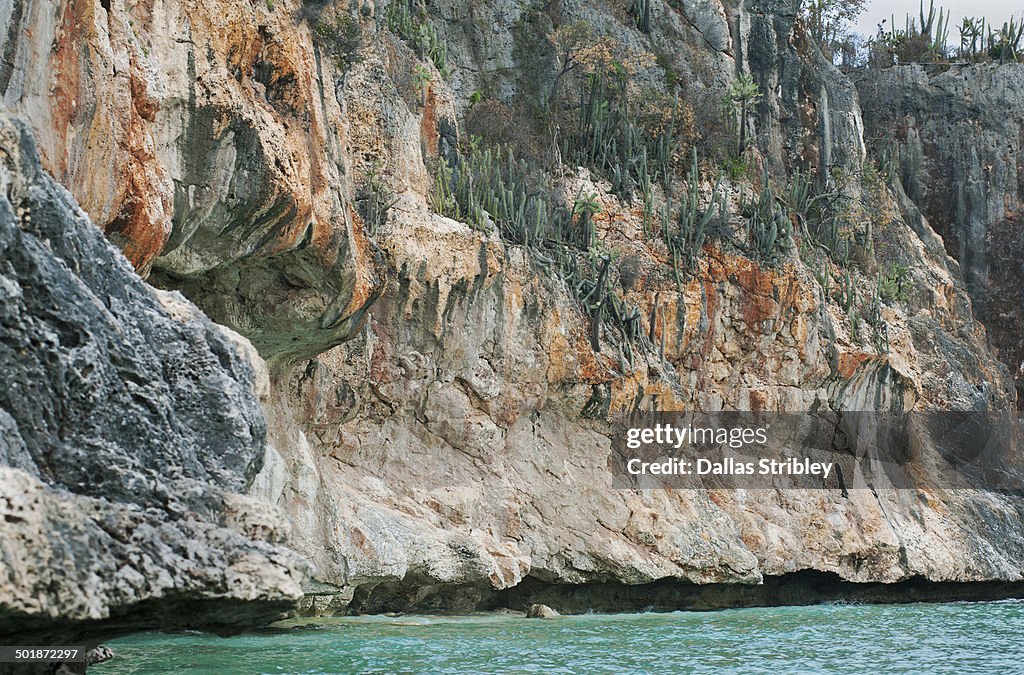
(996, 11)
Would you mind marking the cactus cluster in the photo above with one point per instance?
(409, 20)
(846, 291)
(894, 283)
(490, 187)
(686, 240)
(605, 309)
(611, 139)
(978, 40)
(768, 226)
(935, 30)
(924, 39)
(813, 210)
(1004, 45)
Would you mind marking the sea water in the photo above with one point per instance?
(981, 637)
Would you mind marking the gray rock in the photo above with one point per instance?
(539, 611)
(957, 132)
(99, 654)
(127, 434)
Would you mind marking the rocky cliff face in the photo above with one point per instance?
(437, 401)
(954, 134)
(130, 430)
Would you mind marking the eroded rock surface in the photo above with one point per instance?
(438, 412)
(202, 138)
(130, 430)
(955, 137)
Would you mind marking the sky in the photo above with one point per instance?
(996, 11)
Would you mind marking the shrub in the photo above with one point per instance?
(893, 284)
(339, 37)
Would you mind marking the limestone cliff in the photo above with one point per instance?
(438, 402)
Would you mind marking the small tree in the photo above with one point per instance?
(742, 95)
(829, 22)
(577, 47)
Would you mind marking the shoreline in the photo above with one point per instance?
(803, 588)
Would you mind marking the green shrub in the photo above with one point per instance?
(894, 283)
(340, 38)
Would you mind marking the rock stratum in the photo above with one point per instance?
(437, 404)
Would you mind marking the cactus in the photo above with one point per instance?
(972, 37)
(889, 162)
(824, 278)
(893, 284)
(813, 212)
(879, 326)
(742, 95)
(611, 139)
(488, 187)
(585, 208)
(652, 320)
(422, 77)
(846, 293)
(594, 300)
(374, 200)
(768, 226)
(693, 221)
(799, 197)
(640, 10)
(420, 33)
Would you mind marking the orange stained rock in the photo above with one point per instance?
(663, 397)
(367, 283)
(66, 58)
(850, 362)
(428, 123)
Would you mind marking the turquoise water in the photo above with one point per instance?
(984, 637)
